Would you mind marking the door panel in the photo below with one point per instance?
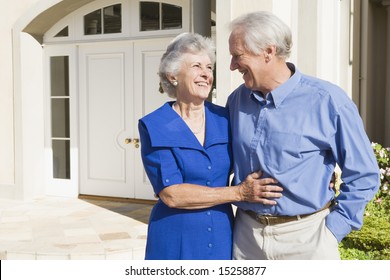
(147, 55)
(106, 119)
(112, 99)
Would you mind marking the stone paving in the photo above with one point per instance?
(68, 228)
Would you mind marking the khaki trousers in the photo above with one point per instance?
(305, 239)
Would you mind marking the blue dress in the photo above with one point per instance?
(172, 155)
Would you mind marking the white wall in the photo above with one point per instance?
(7, 159)
(12, 144)
(32, 95)
(319, 44)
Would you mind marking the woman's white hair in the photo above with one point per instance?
(171, 61)
(261, 30)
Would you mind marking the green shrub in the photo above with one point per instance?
(373, 236)
(382, 198)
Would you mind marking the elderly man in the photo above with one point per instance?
(293, 128)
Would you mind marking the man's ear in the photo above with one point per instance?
(269, 53)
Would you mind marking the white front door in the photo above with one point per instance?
(118, 85)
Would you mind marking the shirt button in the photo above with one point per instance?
(208, 183)
(210, 245)
(208, 213)
(166, 180)
(209, 167)
(209, 229)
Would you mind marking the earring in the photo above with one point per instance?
(175, 83)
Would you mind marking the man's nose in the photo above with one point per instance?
(233, 64)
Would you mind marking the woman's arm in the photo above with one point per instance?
(191, 196)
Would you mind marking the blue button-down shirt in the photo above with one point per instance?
(297, 134)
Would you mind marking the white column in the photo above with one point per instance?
(201, 14)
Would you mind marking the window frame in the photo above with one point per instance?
(130, 22)
(67, 187)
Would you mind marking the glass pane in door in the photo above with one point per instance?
(63, 33)
(113, 19)
(59, 76)
(60, 116)
(93, 23)
(61, 159)
(171, 16)
(150, 16)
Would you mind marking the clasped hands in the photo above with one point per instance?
(260, 190)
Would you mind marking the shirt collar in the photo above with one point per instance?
(282, 91)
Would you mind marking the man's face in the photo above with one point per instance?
(251, 66)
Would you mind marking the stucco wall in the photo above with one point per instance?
(12, 110)
(319, 47)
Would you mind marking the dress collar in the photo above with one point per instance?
(167, 129)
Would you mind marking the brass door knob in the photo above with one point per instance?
(136, 142)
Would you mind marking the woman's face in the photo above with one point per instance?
(195, 78)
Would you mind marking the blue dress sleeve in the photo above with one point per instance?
(159, 162)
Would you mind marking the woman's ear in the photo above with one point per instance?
(171, 78)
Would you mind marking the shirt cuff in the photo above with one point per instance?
(337, 224)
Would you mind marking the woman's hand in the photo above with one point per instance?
(257, 189)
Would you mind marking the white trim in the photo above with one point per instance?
(130, 23)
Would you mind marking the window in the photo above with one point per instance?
(107, 20)
(63, 33)
(127, 19)
(60, 129)
(160, 16)
(171, 17)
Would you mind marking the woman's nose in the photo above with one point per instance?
(206, 72)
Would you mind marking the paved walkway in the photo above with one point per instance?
(64, 228)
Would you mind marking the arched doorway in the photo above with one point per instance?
(100, 77)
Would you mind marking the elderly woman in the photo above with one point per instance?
(186, 153)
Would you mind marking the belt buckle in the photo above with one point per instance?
(263, 219)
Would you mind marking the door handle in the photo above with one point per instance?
(134, 141)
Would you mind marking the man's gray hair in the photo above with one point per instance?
(263, 29)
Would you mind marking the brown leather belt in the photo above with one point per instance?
(269, 220)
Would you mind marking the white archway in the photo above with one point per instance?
(28, 74)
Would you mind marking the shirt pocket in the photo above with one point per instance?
(281, 150)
